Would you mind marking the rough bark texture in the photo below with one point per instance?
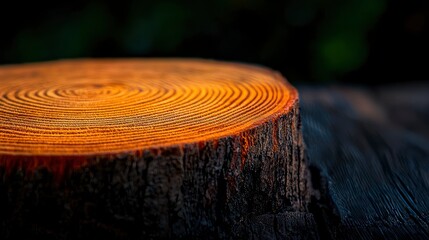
(286, 225)
(194, 190)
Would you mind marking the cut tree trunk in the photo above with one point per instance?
(160, 148)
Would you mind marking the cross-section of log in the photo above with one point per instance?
(156, 148)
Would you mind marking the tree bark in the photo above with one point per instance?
(198, 187)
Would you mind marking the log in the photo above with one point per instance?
(157, 148)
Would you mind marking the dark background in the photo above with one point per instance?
(361, 41)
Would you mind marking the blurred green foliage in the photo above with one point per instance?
(309, 40)
(341, 45)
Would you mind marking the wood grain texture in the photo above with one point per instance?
(146, 148)
(369, 151)
(92, 107)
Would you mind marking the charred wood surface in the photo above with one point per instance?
(369, 155)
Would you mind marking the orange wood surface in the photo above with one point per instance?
(75, 108)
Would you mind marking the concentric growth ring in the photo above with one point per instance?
(93, 106)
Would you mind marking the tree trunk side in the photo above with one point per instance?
(187, 191)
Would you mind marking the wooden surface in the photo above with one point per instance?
(131, 149)
(109, 106)
(368, 150)
(370, 147)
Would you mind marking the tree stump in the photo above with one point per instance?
(159, 148)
